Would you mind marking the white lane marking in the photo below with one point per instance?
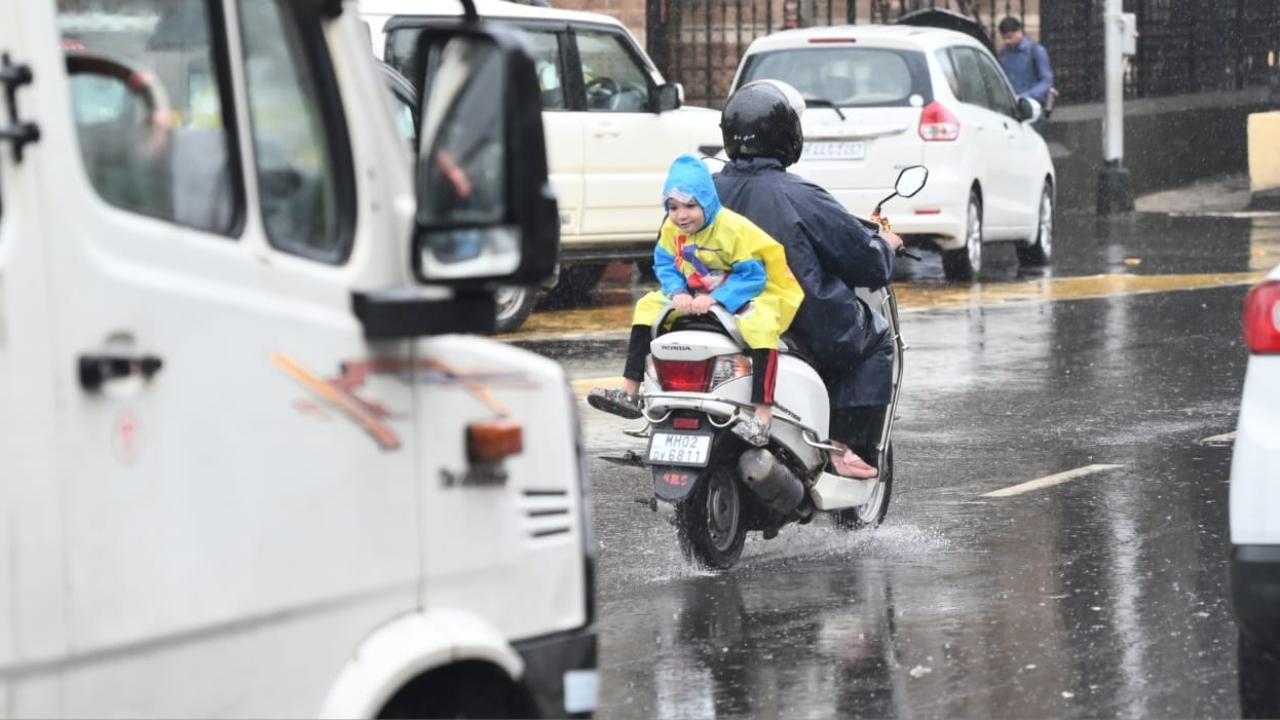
(1051, 480)
(1239, 214)
(1223, 439)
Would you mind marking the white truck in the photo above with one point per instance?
(246, 469)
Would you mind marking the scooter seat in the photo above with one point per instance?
(787, 345)
(791, 345)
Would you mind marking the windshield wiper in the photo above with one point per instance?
(823, 102)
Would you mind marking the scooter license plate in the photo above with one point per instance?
(669, 448)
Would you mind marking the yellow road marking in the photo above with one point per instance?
(582, 387)
(615, 320)
(925, 297)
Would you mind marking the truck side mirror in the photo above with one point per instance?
(670, 96)
(486, 213)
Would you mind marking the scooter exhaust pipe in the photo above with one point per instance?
(771, 481)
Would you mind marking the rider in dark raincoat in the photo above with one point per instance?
(829, 251)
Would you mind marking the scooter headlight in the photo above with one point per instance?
(729, 367)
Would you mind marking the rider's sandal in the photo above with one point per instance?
(616, 402)
(752, 431)
(849, 465)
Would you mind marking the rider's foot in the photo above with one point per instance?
(753, 431)
(848, 464)
(616, 402)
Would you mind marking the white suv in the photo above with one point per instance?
(1254, 504)
(612, 124)
(884, 97)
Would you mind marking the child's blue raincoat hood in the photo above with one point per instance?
(690, 176)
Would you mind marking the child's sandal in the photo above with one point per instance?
(616, 402)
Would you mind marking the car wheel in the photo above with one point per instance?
(514, 303)
(1258, 668)
(647, 273)
(1040, 250)
(966, 263)
(576, 284)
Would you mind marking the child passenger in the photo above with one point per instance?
(709, 255)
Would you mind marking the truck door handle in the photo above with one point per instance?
(95, 370)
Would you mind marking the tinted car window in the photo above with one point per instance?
(969, 75)
(948, 70)
(612, 77)
(545, 47)
(846, 76)
(149, 110)
(550, 69)
(998, 93)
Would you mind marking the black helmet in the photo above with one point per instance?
(762, 118)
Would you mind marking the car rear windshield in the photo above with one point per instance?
(845, 76)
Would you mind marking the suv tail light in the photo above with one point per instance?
(682, 375)
(1262, 318)
(937, 124)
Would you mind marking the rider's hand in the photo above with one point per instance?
(702, 304)
(894, 240)
(682, 301)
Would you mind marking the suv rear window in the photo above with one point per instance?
(845, 76)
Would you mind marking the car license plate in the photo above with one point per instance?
(842, 150)
(668, 448)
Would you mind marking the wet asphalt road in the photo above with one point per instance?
(1102, 596)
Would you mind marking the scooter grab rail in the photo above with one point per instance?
(724, 317)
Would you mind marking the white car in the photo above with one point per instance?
(613, 125)
(1255, 504)
(881, 98)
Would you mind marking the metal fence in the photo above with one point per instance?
(1185, 46)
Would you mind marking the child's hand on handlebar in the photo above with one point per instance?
(683, 302)
(702, 304)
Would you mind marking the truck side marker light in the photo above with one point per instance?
(491, 441)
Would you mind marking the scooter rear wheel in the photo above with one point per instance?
(873, 511)
(710, 523)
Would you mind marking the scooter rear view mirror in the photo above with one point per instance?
(911, 181)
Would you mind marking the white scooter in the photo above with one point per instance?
(698, 385)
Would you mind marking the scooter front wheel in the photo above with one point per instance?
(872, 512)
(710, 523)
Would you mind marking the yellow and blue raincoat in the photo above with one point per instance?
(737, 263)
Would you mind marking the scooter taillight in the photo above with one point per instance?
(684, 375)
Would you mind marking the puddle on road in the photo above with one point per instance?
(658, 558)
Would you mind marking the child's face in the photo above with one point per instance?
(686, 216)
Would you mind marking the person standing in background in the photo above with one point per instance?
(1026, 64)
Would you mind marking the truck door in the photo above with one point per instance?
(232, 452)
